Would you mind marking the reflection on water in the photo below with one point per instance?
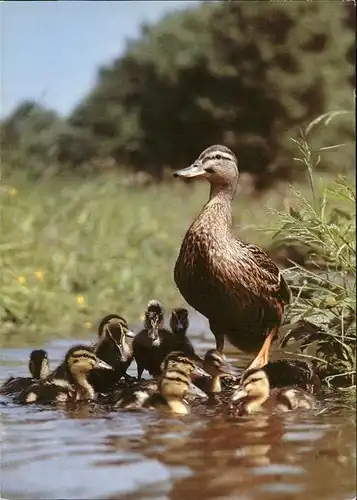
(87, 452)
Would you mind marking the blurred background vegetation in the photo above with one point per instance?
(91, 219)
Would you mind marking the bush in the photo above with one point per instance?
(325, 296)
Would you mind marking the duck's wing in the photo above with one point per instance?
(262, 267)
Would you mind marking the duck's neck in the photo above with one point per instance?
(177, 406)
(216, 384)
(253, 404)
(43, 371)
(220, 202)
(81, 383)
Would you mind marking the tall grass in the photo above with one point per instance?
(73, 251)
(325, 296)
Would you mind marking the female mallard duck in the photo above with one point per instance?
(170, 389)
(114, 346)
(73, 385)
(235, 285)
(38, 368)
(254, 394)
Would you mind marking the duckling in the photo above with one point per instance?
(299, 373)
(73, 385)
(38, 368)
(114, 346)
(254, 394)
(172, 386)
(179, 324)
(217, 367)
(154, 342)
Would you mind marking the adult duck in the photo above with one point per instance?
(234, 284)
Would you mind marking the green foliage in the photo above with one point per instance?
(246, 74)
(241, 73)
(325, 296)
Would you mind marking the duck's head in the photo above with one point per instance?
(154, 320)
(217, 164)
(81, 359)
(175, 381)
(115, 329)
(254, 385)
(179, 321)
(215, 364)
(39, 364)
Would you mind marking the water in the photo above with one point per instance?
(87, 452)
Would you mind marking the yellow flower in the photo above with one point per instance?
(12, 191)
(21, 280)
(39, 275)
(88, 324)
(80, 300)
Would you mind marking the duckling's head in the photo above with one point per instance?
(154, 320)
(217, 164)
(175, 381)
(115, 329)
(179, 321)
(215, 364)
(39, 364)
(254, 385)
(81, 359)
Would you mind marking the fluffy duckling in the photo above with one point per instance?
(179, 324)
(38, 368)
(217, 367)
(72, 385)
(299, 373)
(154, 342)
(254, 394)
(114, 346)
(173, 385)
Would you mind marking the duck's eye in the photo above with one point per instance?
(210, 170)
(218, 156)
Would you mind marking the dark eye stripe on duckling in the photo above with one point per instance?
(176, 376)
(83, 354)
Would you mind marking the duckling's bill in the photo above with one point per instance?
(194, 170)
(193, 390)
(199, 372)
(240, 393)
(102, 364)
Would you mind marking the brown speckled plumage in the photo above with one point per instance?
(235, 285)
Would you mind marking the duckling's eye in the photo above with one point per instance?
(210, 170)
(218, 156)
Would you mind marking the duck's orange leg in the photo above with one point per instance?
(262, 357)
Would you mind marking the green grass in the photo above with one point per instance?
(74, 251)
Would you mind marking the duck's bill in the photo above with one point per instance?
(129, 333)
(102, 364)
(193, 390)
(228, 369)
(194, 170)
(199, 372)
(238, 394)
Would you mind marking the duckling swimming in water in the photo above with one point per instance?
(179, 324)
(114, 346)
(173, 385)
(73, 384)
(154, 342)
(254, 394)
(215, 364)
(38, 368)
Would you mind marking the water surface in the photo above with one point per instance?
(88, 452)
